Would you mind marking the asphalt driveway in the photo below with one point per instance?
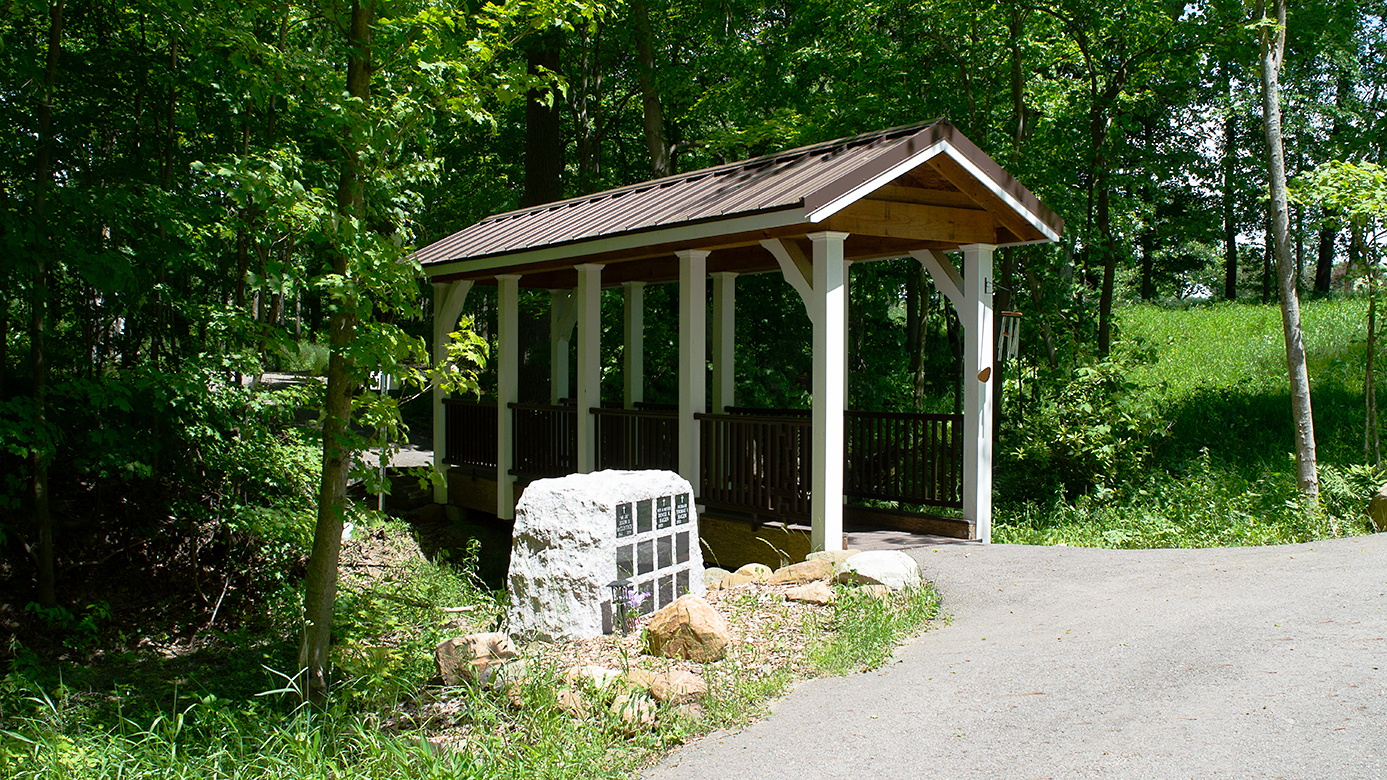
(1265, 662)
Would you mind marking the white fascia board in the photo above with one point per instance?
(1007, 198)
(675, 234)
(871, 185)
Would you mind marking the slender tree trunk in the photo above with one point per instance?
(1272, 41)
(654, 115)
(1324, 260)
(1372, 447)
(1109, 250)
(1268, 252)
(38, 317)
(544, 141)
(1051, 352)
(320, 580)
(1230, 226)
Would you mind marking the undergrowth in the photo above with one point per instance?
(1183, 436)
(379, 724)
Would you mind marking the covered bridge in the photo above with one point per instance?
(919, 191)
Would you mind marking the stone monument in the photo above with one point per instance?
(576, 537)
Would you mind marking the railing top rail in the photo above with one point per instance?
(904, 415)
(655, 414)
(540, 407)
(465, 402)
(796, 421)
(754, 411)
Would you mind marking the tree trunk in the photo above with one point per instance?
(1051, 353)
(1324, 261)
(654, 116)
(320, 580)
(544, 142)
(1230, 227)
(38, 317)
(1372, 447)
(1109, 250)
(1268, 252)
(1271, 48)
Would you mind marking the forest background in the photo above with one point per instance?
(195, 192)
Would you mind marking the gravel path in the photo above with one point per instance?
(1061, 662)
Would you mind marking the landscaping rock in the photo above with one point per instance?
(759, 572)
(475, 658)
(1377, 510)
(713, 577)
(813, 593)
(571, 703)
(689, 628)
(878, 591)
(678, 687)
(640, 678)
(599, 677)
(736, 580)
(564, 550)
(834, 557)
(891, 568)
(800, 573)
(635, 709)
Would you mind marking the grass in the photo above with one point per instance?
(386, 720)
(1207, 457)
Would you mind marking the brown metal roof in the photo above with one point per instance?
(800, 182)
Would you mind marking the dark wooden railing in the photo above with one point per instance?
(470, 434)
(546, 441)
(636, 439)
(756, 464)
(911, 458)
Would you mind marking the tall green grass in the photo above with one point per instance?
(1199, 432)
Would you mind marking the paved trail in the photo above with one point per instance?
(1061, 662)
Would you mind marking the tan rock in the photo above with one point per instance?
(640, 678)
(475, 658)
(878, 591)
(759, 572)
(678, 687)
(834, 557)
(689, 628)
(571, 703)
(735, 580)
(635, 709)
(800, 573)
(813, 593)
(1377, 510)
(598, 677)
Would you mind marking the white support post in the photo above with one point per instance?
(633, 352)
(447, 308)
(976, 316)
(693, 367)
(724, 340)
(589, 295)
(507, 389)
(561, 319)
(830, 367)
